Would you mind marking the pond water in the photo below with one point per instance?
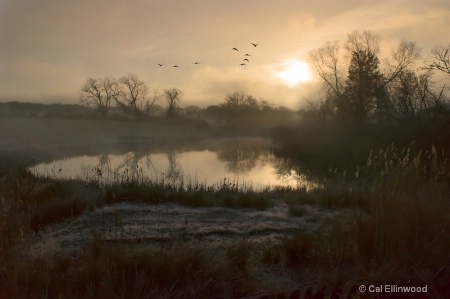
(246, 163)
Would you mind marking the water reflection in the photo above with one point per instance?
(174, 170)
(243, 156)
(290, 170)
(247, 163)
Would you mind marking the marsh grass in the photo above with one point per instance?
(400, 200)
(270, 254)
(239, 253)
(193, 195)
(394, 217)
(121, 271)
(299, 249)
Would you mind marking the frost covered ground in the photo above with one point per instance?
(154, 224)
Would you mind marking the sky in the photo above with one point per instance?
(48, 48)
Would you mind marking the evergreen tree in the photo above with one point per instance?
(364, 86)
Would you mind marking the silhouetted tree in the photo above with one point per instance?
(265, 105)
(173, 100)
(192, 111)
(361, 91)
(363, 86)
(408, 96)
(401, 59)
(362, 41)
(440, 59)
(321, 110)
(133, 96)
(326, 61)
(156, 110)
(239, 101)
(100, 92)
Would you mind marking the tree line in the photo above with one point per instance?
(132, 96)
(129, 93)
(357, 89)
(368, 101)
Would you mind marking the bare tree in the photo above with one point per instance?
(239, 101)
(156, 110)
(364, 41)
(320, 110)
(192, 111)
(440, 59)
(133, 96)
(415, 97)
(100, 92)
(353, 82)
(173, 100)
(348, 92)
(150, 107)
(326, 61)
(403, 57)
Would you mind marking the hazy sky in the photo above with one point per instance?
(48, 48)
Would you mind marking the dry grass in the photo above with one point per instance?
(400, 204)
(120, 271)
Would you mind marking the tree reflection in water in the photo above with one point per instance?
(131, 166)
(243, 156)
(289, 171)
(174, 171)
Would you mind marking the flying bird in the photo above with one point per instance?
(235, 49)
(160, 64)
(254, 45)
(242, 64)
(247, 55)
(245, 59)
(175, 65)
(196, 62)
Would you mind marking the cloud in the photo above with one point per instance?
(51, 46)
(390, 19)
(209, 86)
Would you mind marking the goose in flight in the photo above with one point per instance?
(175, 65)
(160, 64)
(245, 59)
(247, 55)
(235, 49)
(254, 45)
(197, 62)
(242, 64)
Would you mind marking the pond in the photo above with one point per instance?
(248, 163)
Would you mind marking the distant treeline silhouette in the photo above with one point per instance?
(16, 108)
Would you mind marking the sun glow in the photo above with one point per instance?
(295, 72)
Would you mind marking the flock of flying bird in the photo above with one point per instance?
(233, 49)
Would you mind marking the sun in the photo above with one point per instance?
(294, 72)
